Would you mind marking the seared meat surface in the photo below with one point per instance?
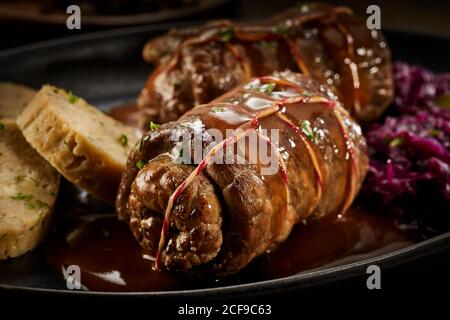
(199, 236)
(196, 65)
(207, 214)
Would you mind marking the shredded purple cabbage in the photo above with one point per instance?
(409, 150)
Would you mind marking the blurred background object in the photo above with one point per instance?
(108, 13)
(27, 21)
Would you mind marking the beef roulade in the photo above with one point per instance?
(330, 44)
(216, 211)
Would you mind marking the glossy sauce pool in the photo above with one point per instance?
(110, 259)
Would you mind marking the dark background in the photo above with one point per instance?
(430, 17)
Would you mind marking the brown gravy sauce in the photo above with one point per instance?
(127, 113)
(110, 258)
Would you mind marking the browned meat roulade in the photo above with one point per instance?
(327, 43)
(216, 211)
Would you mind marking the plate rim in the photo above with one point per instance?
(340, 272)
(159, 27)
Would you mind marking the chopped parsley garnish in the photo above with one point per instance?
(443, 101)
(307, 93)
(38, 204)
(316, 138)
(267, 44)
(218, 109)
(282, 30)
(72, 98)
(140, 164)
(144, 138)
(2, 126)
(176, 81)
(267, 88)
(22, 196)
(434, 132)
(305, 125)
(226, 35)
(22, 178)
(153, 126)
(123, 140)
(396, 142)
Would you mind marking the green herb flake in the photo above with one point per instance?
(153, 126)
(307, 93)
(22, 196)
(38, 204)
(443, 101)
(140, 164)
(282, 30)
(176, 82)
(316, 138)
(218, 109)
(123, 140)
(41, 204)
(305, 125)
(267, 44)
(226, 35)
(434, 132)
(139, 145)
(22, 178)
(72, 98)
(31, 205)
(2, 126)
(396, 142)
(267, 88)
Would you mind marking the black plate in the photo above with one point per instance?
(107, 68)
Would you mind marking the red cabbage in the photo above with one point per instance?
(409, 150)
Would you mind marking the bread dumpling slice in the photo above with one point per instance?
(86, 146)
(14, 98)
(28, 190)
